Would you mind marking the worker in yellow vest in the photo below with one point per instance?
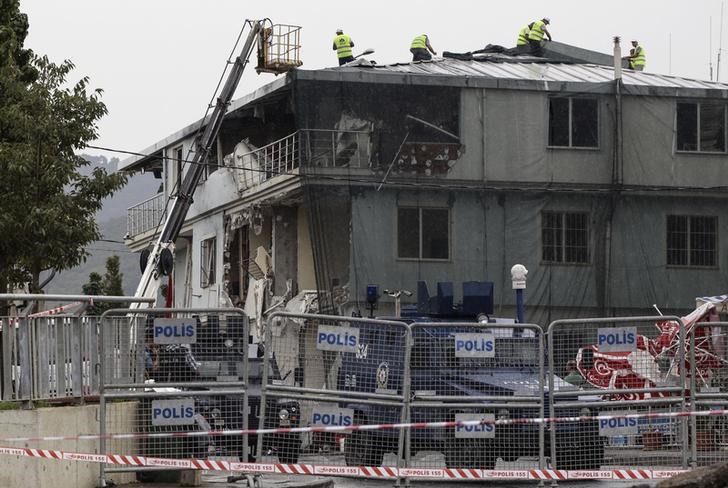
(636, 58)
(342, 46)
(536, 32)
(523, 36)
(420, 47)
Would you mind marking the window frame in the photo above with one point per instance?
(699, 140)
(563, 242)
(208, 253)
(420, 209)
(571, 146)
(688, 249)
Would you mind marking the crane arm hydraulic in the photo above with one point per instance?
(161, 259)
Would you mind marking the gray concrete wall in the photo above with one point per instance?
(62, 421)
(516, 139)
(649, 154)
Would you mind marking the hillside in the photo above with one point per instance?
(112, 222)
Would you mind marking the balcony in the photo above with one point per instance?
(312, 148)
(145, 216)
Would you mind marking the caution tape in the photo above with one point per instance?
(341, 471)
(351, 428)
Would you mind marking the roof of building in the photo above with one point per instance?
(499, 70)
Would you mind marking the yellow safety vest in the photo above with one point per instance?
(523, 36)
(536, 33)
(343, 45)
(419, 42)
(640, 59)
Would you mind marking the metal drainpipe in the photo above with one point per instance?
(616, 173)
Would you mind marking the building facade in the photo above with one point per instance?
(609, 191)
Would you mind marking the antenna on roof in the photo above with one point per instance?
(710, 47)
(720, 43)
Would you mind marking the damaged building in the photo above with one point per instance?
(324, 181)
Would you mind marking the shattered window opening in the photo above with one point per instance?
(423, 233)
(691, 240)
(573, 122)
(207, 262)
(700, 127)
(565, 237)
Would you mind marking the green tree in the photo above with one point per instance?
(110, 285)
(48, 205)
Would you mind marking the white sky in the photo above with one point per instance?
(158, 61)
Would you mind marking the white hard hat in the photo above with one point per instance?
(339, 31)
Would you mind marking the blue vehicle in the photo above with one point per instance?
(435, 371)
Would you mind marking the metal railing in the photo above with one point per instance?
(312, 148)
(146, 215)
(51, 357)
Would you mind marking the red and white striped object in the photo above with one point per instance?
(378, 472)
(45, 453)
(547, 474)
(631, 474)
(123, 460)
(351, 471)
(294, 468)
(463, 473)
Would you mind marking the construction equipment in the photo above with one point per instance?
(278, 52)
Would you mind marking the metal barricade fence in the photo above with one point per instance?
(179, 370)
(335, 371)
(48, 358)
(638, 363)
(708, 359)
(477, 371)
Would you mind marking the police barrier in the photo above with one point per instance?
(185, 370)
(329, 371)
(609, 366)
(476, 371)
(49, 355)
(708, 371)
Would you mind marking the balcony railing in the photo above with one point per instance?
(313, 148)
(146, 215)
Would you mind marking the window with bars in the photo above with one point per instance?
(565, 237)
(423, 233)
(573, 122)
(207, 260)
(701, 127)
(691, 240)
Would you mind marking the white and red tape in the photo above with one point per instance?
(349, 471)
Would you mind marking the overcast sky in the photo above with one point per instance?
(158, 61)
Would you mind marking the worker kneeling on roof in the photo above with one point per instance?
(636, 57)
(535, 36)
(420, 47)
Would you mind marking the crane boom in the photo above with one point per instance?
(159, 261)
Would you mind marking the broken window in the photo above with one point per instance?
(701, 127)
(691, 240)
(207, 260)
(423, 233)
(573, 122)
(565, 237)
